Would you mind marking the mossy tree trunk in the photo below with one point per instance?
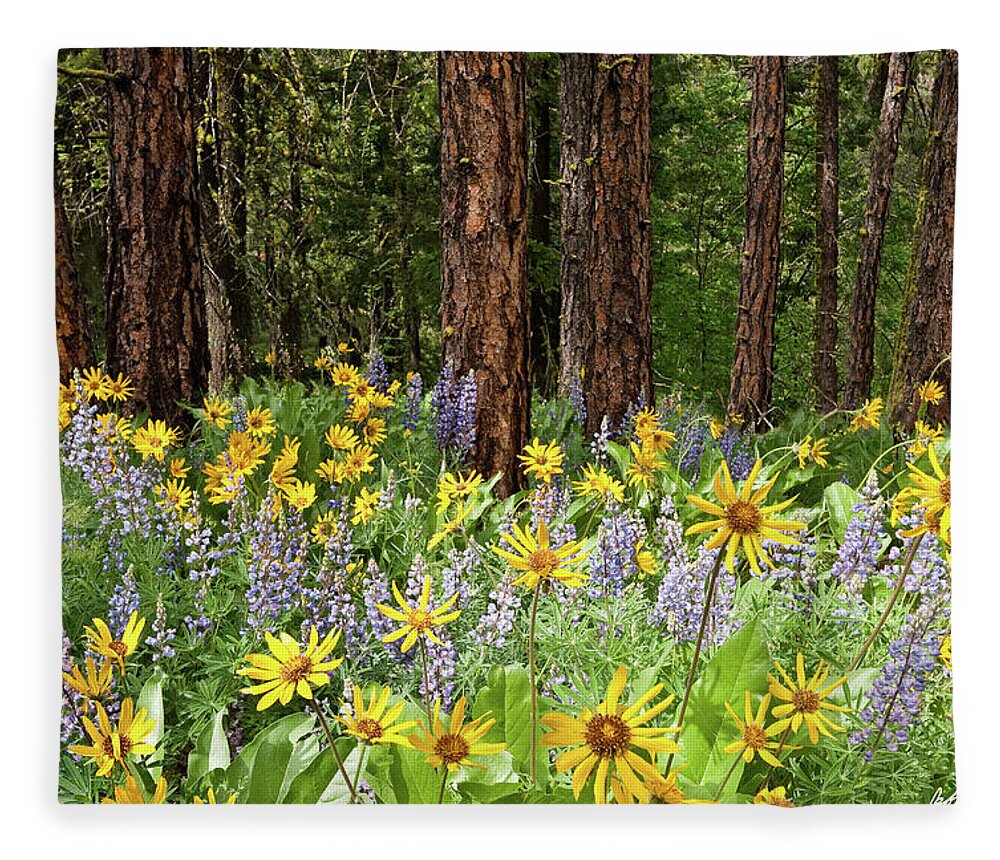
(923, 346)
(75, 347)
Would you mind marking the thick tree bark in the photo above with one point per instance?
(752, 377)
(156, 329)
(827, 207)
(923, 347)
(72, 337)
(606, 273)
(484, 244)
(861, 363)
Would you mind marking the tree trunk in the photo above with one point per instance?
(576, 206)
(924, 343)
(607, 274)
(827, 207)
(752, 376)
(484, 244)
(156, 329)
(861, 364)
(72, 337)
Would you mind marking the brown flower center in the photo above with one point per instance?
(108, 746)
(945, 490)
(754, 737)
(296, 669)
(420, 620)
(542, 562)
(743, 517)
(777, 800)
(805, 701)
(607, 735)
(119, 647)
(370, 729)
(451, 748)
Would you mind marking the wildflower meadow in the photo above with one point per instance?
(308, 596)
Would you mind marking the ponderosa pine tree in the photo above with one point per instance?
(606, 274)
(752, 377)
(484, 247)
(861, 361)
(72, 337)
(156, 331)
(923, 345)
(827, 222)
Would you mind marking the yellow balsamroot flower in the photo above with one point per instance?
(174, 494)
(260, 422)
(803, 701)
(645, 421)
(743, 519)
(374, 724)
(114, 744)
(456, 487)
(610, 736)
(105, 645)
(244, 453)
(819, 453)
(358, 462)
(132, 793)
(359, 411)
(269, 357)
(324, 528)
(178, 468)
(774, 797)
(662, 789)
(365, 505)
(112, 427)
(816, 451)
(451, 746)
(659, 440)
(217, 412)
(290, 670)
(542, 461)
(119, 389)
(360, 389)
(802, 451)
(383, 400)
(323, 362)
(538, 561)
(210, 798)
(341, 438)
(931, 392)
(645, 462)
(868, 417)
(154, 438)
(448, 526)
(94, 383)
(944, 651)
(755, 739)
(924, 436)
(94, 684)
(644, 560)
(343, 374)
(599, 484)
(283, 468)
(330, 471)
(374, 431)
(299, 494)
(419, 620)
(932, 495)
(717, 428)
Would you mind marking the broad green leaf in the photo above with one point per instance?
(740, 664)
(151, 698)
(290, 728)
(839, 499)
(210, 752)
(268, 774)
(321, 780)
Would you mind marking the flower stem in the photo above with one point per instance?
(427, 683)
(531, 681)
(444, 782)
(892, 602)
(781, 745)
(333, 749)
(709, 597)
(725, 779)
(357, 770)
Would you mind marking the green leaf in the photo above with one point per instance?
(507, 697)
(290, 728)
(151, 698)
(321, 780)
(268, 774)
(839, 499)
(210, 752)
(740, 664)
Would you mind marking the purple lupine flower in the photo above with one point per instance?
(930, 573)
(453, 405)
(124, 601)
(857, 557)
(736, 450)
(276, 567)
(680, 599)
(613, 559)
(498, 620)
(692, 437)
(414, 394)
(162, 635)
(377, 375)
(895, 700)
(457, 575)
(599, 444)
(794, 572)
(669, 530)
(577, 401)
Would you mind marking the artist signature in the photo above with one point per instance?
(939, 797)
